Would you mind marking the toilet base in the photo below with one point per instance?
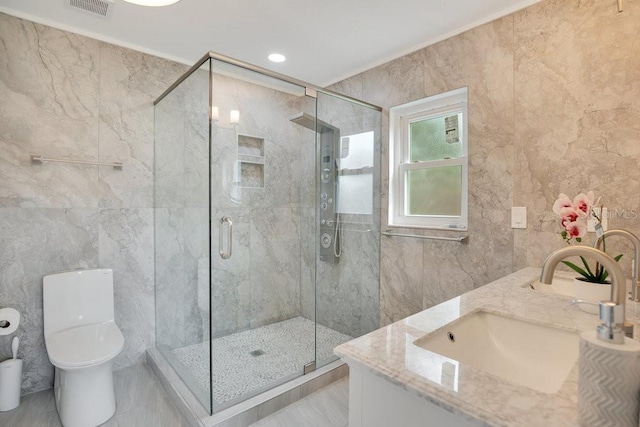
(85, 397)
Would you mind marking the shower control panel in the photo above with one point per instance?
(328, 219)
(328, 138)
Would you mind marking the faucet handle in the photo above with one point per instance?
(611, 315)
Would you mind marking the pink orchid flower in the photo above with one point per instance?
(563, 202)
(576, 229)
(568, 215)
(584, 202)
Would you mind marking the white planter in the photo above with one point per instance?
(592, 292)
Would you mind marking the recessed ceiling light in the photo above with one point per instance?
(152, 2)
(277, 57)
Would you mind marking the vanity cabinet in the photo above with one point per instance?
(376, 402)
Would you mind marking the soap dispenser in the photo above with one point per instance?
(609, 373)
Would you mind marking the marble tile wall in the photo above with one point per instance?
(416, 274)
(553, 107)
(69, 96)
(553, 95)
(577, 100)
(94, 101)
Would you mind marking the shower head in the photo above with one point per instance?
(309, 122)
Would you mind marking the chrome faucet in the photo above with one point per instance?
(635, 292)
(618, 284)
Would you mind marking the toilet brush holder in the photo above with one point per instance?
(10, 382)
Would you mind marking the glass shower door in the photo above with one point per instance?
(262, 193)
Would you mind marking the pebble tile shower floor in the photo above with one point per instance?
(250, 360)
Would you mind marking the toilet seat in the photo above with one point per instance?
(84, 346)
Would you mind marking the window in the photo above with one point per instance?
(428, 162)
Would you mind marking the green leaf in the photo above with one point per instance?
(579, 239)
(586, 265)
(577, 269)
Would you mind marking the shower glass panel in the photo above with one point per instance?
(347, 289)
(181, 201)
(266, 228)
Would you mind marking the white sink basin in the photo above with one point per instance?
(529, 354)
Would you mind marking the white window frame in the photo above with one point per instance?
(400, 117)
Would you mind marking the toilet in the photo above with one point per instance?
(82, 341)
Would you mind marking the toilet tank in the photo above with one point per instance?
(77, 298)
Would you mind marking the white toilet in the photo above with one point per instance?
(82, 342)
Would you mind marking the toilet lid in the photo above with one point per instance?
(84, 345)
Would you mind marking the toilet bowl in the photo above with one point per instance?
(82, 341)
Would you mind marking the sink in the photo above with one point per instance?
(525, 353)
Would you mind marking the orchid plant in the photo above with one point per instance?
(573, 218)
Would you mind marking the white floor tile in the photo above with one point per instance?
(328, 407)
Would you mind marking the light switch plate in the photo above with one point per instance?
(518, 217)
(591, 223)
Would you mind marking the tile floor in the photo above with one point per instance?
(283, 348)
(328, 407)
(140, 398)
(142, 402)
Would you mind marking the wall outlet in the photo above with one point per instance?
(519, 217)
(591, 222)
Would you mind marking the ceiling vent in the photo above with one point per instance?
(100, 8)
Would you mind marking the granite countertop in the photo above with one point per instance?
(389, 353)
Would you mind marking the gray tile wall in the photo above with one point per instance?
(69, 96)
(416, 274)
(553, 106)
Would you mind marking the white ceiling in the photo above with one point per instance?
(325, 41)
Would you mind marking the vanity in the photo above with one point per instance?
(504, 354)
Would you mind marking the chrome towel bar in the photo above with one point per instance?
(37, 160)
(418, 236)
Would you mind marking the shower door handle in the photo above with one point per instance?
(226, 254)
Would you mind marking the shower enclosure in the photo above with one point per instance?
(266, 227)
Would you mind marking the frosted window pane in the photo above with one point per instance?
(354, 194)
(434, 191)
(436, 138)
(356, 151)
(355, 179)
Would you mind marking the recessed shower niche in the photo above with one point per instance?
(251, 161)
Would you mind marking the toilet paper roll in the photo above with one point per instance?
(9, 320)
